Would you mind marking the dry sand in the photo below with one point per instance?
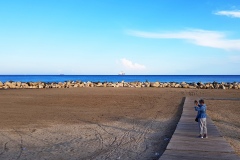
(102, 123)
(226, 115)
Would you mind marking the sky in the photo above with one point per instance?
(105, 37)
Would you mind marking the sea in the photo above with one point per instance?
(119, 78)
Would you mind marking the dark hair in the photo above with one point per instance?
(201, 101)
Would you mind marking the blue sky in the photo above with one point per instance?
(104, 37)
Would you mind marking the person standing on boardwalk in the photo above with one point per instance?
(202, 118)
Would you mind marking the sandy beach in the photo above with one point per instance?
(103, 123)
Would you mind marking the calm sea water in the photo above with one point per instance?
(118, 78)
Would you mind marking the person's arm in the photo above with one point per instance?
(195, 104)
(196, 108)
(203, 108)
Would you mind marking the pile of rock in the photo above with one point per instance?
(76, 84)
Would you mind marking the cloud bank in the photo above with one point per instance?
(234, 14)
(199, 37)
(130, 65)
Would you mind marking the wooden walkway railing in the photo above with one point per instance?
(185, 145)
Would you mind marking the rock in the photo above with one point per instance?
(59, 86)
(114, 85)
(138, 85)
(216, 86)
(177, 86)
(235, 83)
(147, 84)
(81, 85)
(25, 85)
(222, 86)
(109, 85)
(235, 87)
(7, 84)
(185, 85)
(195, 85)
(192, 87)
(68, 83)
(207, 85)
(211, 86)
(133, 84)
(203, 86)
(119, 85)
(5, 87)
(99, 85)
(10, 85)
(17, 87)
(70, 86)
(165, 84)
(168, 85)
(89, 84)
(35, 84)
(13, 87)
(19, 84)
(126, 85)
(155, 84)
(1, 84)
(172, 85)
(104, 84)
(40, 86)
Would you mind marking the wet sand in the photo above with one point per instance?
(100, 123)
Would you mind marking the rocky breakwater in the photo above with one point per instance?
(79, 84)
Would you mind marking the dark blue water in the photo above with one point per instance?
(118, 78)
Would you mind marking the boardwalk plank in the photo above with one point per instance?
(196, 155)
(184, 143)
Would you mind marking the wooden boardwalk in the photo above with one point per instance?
(185, 145)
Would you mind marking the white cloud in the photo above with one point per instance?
(235, 14)
(130, 65)
(199, 37)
